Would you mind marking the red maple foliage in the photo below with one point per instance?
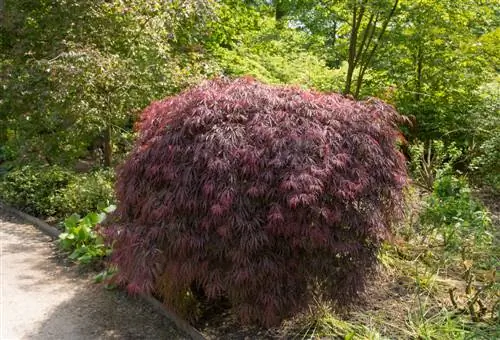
(254, 192)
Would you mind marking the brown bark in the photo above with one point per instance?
(357, 17)
(108, 147)
(420, 63)
(369, 57)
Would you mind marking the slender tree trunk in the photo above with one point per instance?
(108, 147)
(359, 81)
(368, 57)
(279, 13)
(3, 131)
(357, 17)
(420, 63)
(334, 35)
(330, 44)
(367, 35)
(363, 54)
(2, 9)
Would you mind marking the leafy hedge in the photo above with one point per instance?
(254, 193)
(87, 192)
(55, 191)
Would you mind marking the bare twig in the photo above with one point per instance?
(475, 299)
(452, 297)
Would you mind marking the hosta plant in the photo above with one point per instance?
(253, 193)
(81, 238)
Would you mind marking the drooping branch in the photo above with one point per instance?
(260, 189)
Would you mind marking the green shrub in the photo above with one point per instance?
(455, 215)
(432, 160)
(35, 189)
(276, 56)
(6, 153)
(55, 191)
(486, 166)
(86, 192)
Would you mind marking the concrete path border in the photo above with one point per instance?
(157, 305)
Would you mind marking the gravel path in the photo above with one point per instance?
(41, 298)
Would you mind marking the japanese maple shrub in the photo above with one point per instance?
(253, 192)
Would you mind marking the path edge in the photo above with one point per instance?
(43, 226)
(150, 300)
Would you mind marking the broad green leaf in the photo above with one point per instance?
(72, 221)
(110, 209)
(93, 218)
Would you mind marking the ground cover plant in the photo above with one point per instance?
(255, 193)
(81, 239)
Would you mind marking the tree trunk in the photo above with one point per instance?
(363, 54)
(353, 40)
(280, 13)
(419, 73)
(2, 9)
(368, 57)
(333, 39)
(108, 147)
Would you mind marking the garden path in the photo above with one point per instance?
(43, 298)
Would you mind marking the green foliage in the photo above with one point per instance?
(75, 73)
(86, 192)
(55, 191)
(485, 164)
(105, 277)
(321, 322)
(278, 56)
(432, 322)
(456, 217)
(82, 240)
(431, 161)
(35, 189)
(439, 58)
(427, 324)
(6, 154)
(107, 59)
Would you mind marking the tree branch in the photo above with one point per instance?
(375, 45)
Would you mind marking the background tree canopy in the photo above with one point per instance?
(75, 73)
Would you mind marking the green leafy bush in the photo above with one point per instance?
(35, 189)
(432, 160)
(86, 192)
(455, 215)
(6, 153)
(81, 238)
(277, 56)
(486, 166)
(55, 191)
